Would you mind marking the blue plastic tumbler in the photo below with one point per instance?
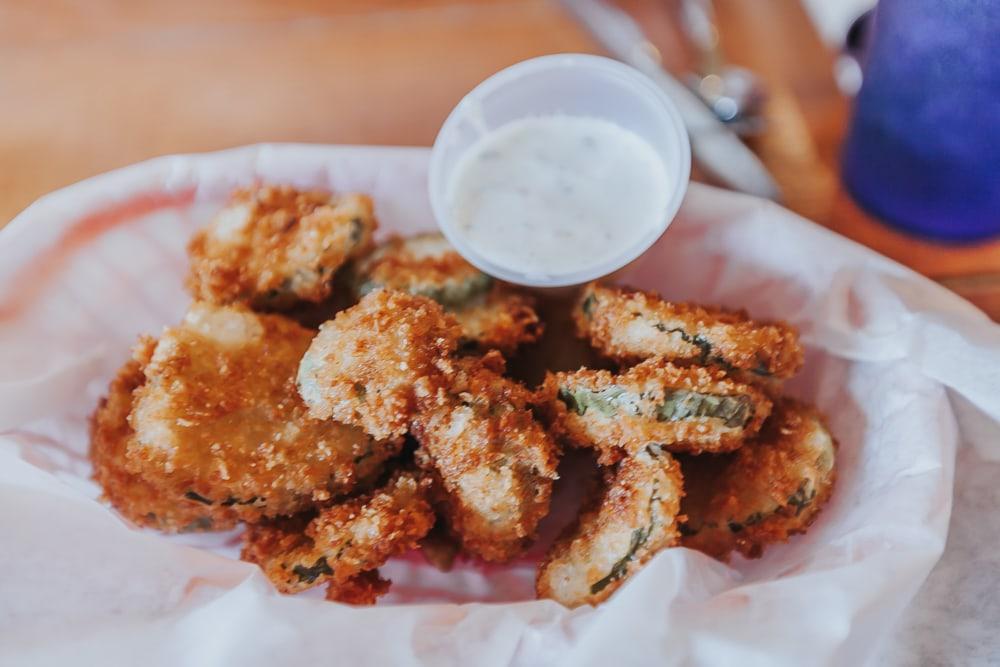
(923, 148)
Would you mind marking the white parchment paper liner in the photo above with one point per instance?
(895, 361)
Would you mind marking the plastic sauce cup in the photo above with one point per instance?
(564, 84)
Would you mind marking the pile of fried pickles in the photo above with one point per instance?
(349, 402)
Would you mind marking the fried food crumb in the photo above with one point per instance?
(361, 590)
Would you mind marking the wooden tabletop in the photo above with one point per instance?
(90, 86)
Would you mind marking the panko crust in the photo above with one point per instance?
(494, 462)
(219, 420)
(138, 499)
(684, 409)
(630, 325)
(631, 519)
(423, 265)
(370, 365)
(772, 488)
(275, 246)
(492, 315)
(342, 541)
(503, 320)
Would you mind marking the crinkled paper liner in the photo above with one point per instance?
(892, 359)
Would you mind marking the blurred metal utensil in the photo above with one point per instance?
(716, 149)
(736, 97)
(735, 94)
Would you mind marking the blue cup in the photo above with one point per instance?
(923, 148)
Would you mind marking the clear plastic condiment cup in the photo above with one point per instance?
(566, 84)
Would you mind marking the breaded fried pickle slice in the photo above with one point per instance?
(773, 487)
(630, 325)
(685, 409)
(494, 462)
(136, 498)
(492, 315)
(370, 364)
(423, 265)
(219, 420)
(633, 518)
(342, 541)
(276, 246)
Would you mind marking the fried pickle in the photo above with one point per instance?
(219, 421)
(772, 488)
(495, 464)
(627, 523)
(630, 325)
(684, 409)
(137, 499)
(370, 364)
(274, 247)
(342, 541)
(492, 314)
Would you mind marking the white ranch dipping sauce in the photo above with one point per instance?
(554, 195)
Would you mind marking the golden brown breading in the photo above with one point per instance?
(773, 487)
(492, 315)
(344, 540)
(630, 521)
(424, 265)
(494, 462)
(137, 499)
(685, 409)
(219, 419)
(370, 364)
(502, 320)
(361, 590)
(276, 246)
(630, 325)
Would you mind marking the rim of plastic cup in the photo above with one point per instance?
(641, 85)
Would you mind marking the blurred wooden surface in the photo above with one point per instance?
(90, 85)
